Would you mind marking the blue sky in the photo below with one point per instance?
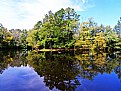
(106, 12)
(24, 14)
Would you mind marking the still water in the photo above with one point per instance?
(60, 71)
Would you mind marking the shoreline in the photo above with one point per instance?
(57, 49)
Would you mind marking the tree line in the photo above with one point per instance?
(63, 30)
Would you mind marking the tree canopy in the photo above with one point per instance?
(63, 29)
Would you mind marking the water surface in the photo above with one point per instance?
(60, 71)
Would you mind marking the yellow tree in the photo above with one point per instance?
(7, 38)
(99, 40)
(84, 36)
(91, 36)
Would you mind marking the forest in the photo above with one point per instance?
(63, 30)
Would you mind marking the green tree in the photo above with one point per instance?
(56, 30)
(111, 37)
(23, 37)
(32, 38)
(1, 35)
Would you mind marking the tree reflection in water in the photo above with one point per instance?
(12, 58)
(93, 63)
(61, 70)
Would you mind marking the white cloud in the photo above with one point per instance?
(24, 14)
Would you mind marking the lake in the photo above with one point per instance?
(60, 71)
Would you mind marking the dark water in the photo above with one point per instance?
(60, 71)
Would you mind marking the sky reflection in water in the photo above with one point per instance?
(21, 79)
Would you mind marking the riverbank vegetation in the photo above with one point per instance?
(63, 30)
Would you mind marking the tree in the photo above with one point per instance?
(117, 28)
(91, 36)
(23, 37)
(57, 29)
(32, 38)
(111, 37)
(1, 35)
(84, 37)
